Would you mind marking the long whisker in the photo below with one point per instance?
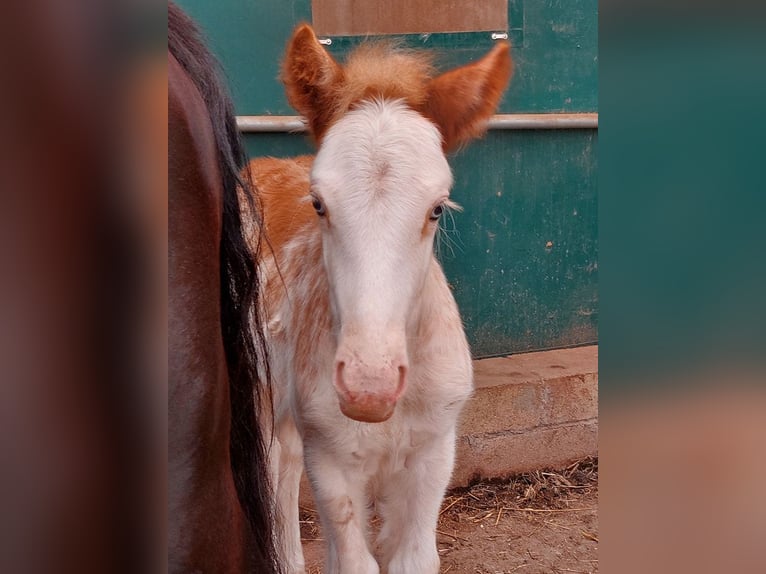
(444, 232)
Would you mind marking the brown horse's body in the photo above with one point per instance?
(218, 496)
(202, 483)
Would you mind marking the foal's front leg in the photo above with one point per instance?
(409, 507)
(289, 451)
(339, 494)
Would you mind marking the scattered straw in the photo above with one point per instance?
(589, 536)
(544, 491)
(451, 535)
(450, 505)
(549, 509)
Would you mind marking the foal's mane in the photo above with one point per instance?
(387, 70)
(383, 70)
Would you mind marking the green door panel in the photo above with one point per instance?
(525, 263)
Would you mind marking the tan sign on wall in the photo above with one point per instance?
(361, 17)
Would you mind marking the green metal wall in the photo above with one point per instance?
(524, 259)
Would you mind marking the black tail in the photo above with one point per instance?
(242, 336)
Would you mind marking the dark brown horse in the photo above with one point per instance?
(219, 497)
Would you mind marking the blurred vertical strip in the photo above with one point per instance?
(682, 282)
(82, 253)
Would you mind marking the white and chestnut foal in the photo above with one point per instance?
(370, 362)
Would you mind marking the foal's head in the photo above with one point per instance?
(379, 184)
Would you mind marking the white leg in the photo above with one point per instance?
(339, 493)
(288, 486)
(409, 506)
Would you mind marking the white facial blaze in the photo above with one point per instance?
(379, 173)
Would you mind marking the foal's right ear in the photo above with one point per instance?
(312, 79)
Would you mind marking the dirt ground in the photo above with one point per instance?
(537, 523)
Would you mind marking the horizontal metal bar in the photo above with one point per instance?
(543, 121)
(249, 124)
(296, 124)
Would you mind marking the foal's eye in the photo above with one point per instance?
(318, 206)
(436, 212)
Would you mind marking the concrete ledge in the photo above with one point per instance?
(529, 411)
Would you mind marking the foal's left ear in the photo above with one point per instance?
(462, 100)
(312, 79)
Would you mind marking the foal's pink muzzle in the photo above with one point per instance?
(368, 393)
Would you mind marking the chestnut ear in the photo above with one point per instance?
(312, 79)
(462, 100)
